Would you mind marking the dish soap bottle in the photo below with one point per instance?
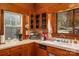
(75, 41)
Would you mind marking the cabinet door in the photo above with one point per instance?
(31, 49)
(38, 51)
(51, 50)
(15, 51)
(1, 22)
(58, 52)
(4, 52)
(36, 45)
(25, 50)
(42, 52)
(73, 54)
(61, 52)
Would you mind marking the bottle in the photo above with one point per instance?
(2, 39)
(75, 41)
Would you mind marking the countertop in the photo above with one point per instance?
(69, 47)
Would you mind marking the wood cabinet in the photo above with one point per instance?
(38, 22)
(61, 52)
(36, 45)
(51, 50)
(31, 49)
(34, 49)
(22, 50)
(42, 52)
(39, 51)
(15, 51)
(4, 52)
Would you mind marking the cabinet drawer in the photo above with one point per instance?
(42, 52)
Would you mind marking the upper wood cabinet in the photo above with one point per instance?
(38, 22)
(1, 22)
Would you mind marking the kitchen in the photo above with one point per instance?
(39, 29)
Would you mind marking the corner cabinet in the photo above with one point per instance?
(1, 22)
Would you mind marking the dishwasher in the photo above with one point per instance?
(43, 46)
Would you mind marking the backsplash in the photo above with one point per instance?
(68, 36)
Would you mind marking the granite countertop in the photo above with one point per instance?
(73, 47)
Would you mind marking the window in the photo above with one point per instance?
(76, 20)
(13, 23)
(64, 22)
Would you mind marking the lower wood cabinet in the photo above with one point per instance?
(4, 52)
(22, 50)
(34, 49)
(40, 51)
(15, 51)
(61, 52)
(31, 49)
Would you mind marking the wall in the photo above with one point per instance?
(49, 7)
